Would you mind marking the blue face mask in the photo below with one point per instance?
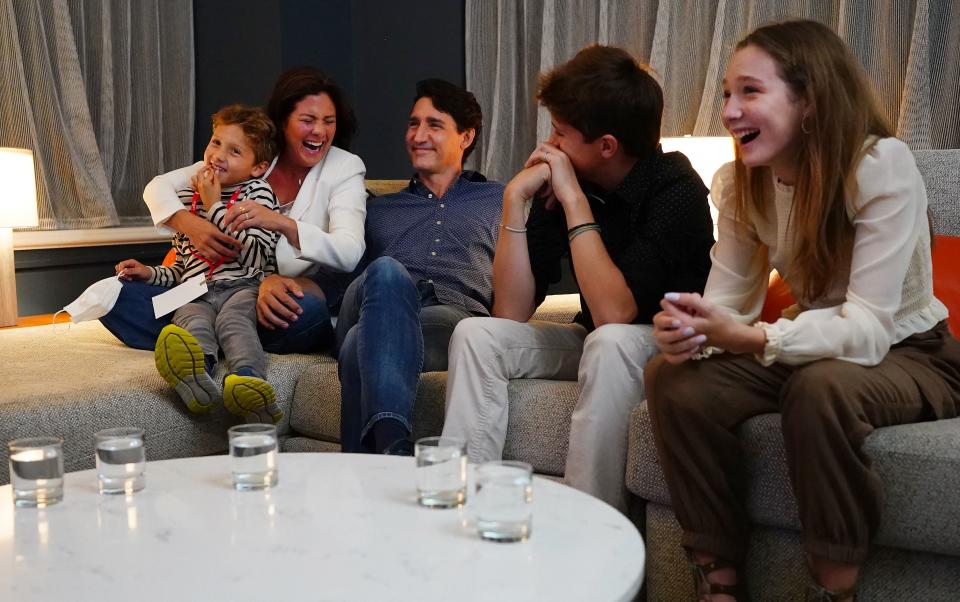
(96, 301)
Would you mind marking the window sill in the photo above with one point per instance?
(95, 237)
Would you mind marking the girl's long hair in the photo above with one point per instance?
(842, 114)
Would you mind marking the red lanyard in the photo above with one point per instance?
(193, 209)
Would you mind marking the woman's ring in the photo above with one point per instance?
(243, 209)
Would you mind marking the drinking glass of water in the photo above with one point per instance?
(36, 471)
(121, 459)
(502, 503)
(441, 472)
(253, 456)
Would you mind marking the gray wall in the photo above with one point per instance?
(375, 49)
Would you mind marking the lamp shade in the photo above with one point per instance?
(18, 203)
(706, 153)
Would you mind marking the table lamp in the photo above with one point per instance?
(706, 154)
(18, 209)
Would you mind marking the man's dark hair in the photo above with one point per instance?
(603, 90)
(456, 102)
(295, 84)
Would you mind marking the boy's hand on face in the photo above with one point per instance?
(563, 180)
(131, 269)
(533, 181)
(207, 184)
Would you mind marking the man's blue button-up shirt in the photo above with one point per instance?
(445, 241)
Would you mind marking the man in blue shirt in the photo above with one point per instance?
(428, 265)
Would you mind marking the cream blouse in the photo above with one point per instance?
(881, 298)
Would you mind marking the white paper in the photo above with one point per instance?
(179, 295)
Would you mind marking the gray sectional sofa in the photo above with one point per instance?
(72, 380)
(75, 382)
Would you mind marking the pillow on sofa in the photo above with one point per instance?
(171, 257)
(946, 277)
(778, 298)
(946, 284)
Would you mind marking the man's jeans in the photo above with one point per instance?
(388, 331)
(132, 321)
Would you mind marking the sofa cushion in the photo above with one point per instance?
(539, 415)
(78, 379)
(918, 463)
(316, 405)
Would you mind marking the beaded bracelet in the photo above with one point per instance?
(578, 230)
(509, 229)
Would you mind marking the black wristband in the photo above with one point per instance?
(578, 230)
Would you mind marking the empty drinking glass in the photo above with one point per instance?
(502, 503)
(441, 471)
(36, 471)
(253, 456)
(121, 459)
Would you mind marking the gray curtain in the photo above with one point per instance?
(910, 48)
(102, 91)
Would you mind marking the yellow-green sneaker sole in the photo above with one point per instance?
(179, 360)
(251, 398)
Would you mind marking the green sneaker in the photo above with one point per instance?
(251, 398)
(179, 360)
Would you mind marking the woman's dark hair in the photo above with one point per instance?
(295, 84)
(604, 90)
(456, 102)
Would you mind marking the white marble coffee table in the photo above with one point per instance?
(338, 527)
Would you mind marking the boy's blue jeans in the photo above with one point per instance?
(131, 320)
(387, 332)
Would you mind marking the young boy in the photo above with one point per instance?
(224, 317)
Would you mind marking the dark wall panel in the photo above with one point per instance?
(238, 55)
(375, 49)
(396, 44)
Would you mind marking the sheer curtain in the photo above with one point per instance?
(910, 48)
(103, 93)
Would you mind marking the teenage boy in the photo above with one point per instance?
(225, 316)
(432, 249)
(634, 223)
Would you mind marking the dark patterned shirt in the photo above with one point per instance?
(445, 241)
(256, 258)
(655, 225)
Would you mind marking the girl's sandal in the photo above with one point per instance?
(706, 590)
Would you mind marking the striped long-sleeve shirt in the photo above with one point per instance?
(256, 258)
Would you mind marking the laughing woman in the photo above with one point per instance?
(822, 191)
(320, 188)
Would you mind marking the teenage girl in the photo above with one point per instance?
(823, 192)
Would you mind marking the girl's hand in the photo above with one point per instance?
(704, 321)
(131, 269)
(676, 341)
